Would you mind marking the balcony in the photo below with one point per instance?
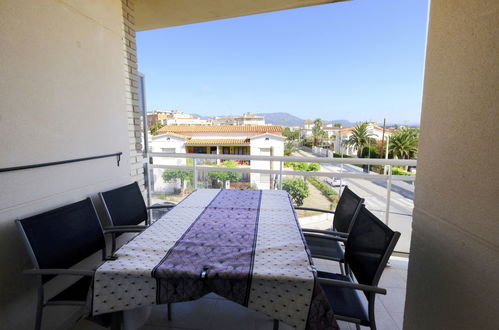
(64, 96)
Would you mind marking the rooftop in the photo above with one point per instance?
(197, 142)
(221, 129)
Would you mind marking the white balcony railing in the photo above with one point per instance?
(279, 171)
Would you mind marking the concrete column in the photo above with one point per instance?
(132, 92)
(454, 261)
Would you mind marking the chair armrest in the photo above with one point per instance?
(357, 286)
(160, 207)
(55, 271)
(123, 229)
(326, 232)
(312, 209)
(331, 237)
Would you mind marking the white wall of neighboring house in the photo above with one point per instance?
(343, 135)
(261, 146)
(170, 144)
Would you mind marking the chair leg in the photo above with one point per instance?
(116, 319)
(169, 307)
(276, 324)
(342, 270)
(39, 314)
(113, 243)
(357, 326)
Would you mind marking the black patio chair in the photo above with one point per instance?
(347, 209)
(57, 240)
(126, 210)
(367, 251)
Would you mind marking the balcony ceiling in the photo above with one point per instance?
(154, 14)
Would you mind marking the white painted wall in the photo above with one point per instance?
(166, 143)
(261, 147)
(454, 264)
(62, 95)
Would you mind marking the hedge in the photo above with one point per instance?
(326, 190)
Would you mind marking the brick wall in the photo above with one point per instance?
(132, 92)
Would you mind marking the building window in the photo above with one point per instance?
(199, 150)
(240, 150)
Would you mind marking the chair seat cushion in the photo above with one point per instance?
(323, 247)
(76, 292)
(345, 301)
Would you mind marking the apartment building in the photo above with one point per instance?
(174, 117)
(246, 119)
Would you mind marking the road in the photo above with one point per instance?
(375, 194)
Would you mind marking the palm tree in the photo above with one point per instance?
(360, 138)
(404, 143)
(317, 132)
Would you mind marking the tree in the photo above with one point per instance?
(154, 128)
(183, 175)
(337, 125)
(369, 152)
(290, 148)
(297, 189)
(290, 135)
(360, 138)
(404, 143)
(317, 132)
(221, 177)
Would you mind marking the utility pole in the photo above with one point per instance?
(383, 137)
(271, 168)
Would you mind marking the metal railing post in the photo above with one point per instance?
(195, 172)
(280, 175)
(388, 194)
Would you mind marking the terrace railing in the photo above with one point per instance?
(278, 171)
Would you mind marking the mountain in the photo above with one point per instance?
(281, 118)
(286, 119)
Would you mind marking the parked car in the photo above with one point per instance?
(334, 182)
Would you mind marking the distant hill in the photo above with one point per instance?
(281, 118)
(286, 119)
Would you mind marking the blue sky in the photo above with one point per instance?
(357, 60)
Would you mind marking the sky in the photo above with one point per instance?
(357, 60)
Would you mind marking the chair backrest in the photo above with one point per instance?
(369, 245)
(62, 237)
(125, 206)
(346, 210)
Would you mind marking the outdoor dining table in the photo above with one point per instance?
(244, 245)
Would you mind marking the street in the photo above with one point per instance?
(375, 194)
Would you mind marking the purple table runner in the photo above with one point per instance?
(220, 243)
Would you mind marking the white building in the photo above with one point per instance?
(174, 117)
(343, 134)
(263, 140)
(246, 119)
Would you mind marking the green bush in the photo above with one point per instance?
(337, 154)
(369, 152)
(183, 175)
(396, 170)
(326, 190)
(309, 167)
(297, 189)
(220, 177)
(313, 167)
